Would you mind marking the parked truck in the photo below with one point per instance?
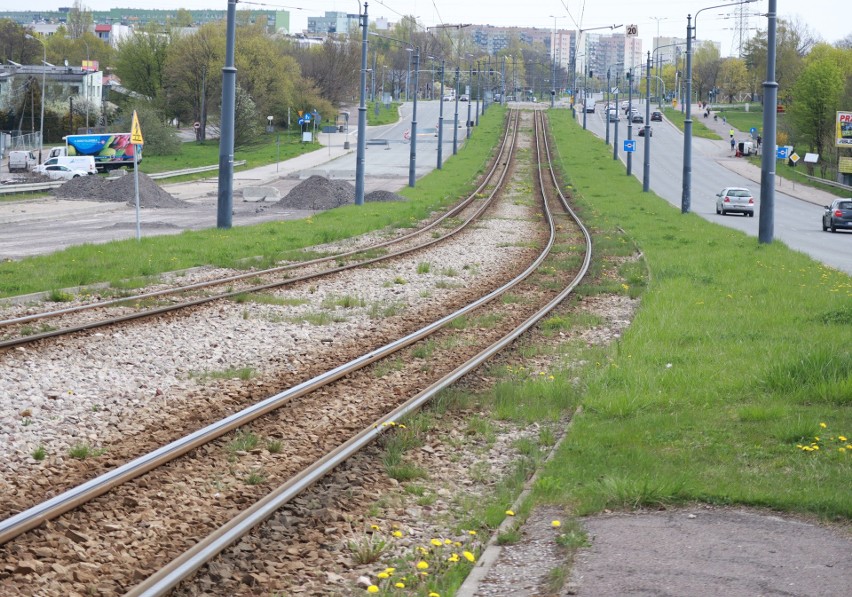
(110, 150)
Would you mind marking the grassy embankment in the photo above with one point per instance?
(387, 115)
(738, 355)
(698, 129)
(130, 263)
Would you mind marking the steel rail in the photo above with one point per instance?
(185, 565)
(258, 288)
(76, 496)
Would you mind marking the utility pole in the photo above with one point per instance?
(629, 118)
(441, 120)
(766, 224)
(646, 171)
(470, 84)
(413, 161)
(456, 125)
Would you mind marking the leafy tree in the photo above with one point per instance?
(192, 77)
(141, 61)
(733, 78)
(160, 139)
(793, 41)
(817, 95)
(183, 18)
(334, 67)
(15, 46)
(705, 69)
(247, 128)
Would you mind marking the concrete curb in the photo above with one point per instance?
(492, 551)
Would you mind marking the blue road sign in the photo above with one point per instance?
(301, 121)
(752, 130)
(782, 153)
(629, 145)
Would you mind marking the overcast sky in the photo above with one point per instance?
(827, 18)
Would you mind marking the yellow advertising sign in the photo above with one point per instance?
(845, 166)
(136, 131)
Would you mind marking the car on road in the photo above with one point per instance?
(463, 98)
(656, 115)
(637, 118)
(613, 115)
(625, 105)
(642, 132)
(735, 200)
(60, 172)
(837, 215)
(590, 108)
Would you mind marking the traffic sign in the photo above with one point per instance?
(782, 153)
(301, 121)
(196, 125)
(795, 157)
(136, 131)
(629, 145)
(632, 30)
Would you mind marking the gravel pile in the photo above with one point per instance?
(97, 188)
(319, 193)
(383, 196)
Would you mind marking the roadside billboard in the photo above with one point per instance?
(843, 138)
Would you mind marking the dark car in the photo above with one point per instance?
(837, 215)
(637, 118)
(642, 132)
(656, 115)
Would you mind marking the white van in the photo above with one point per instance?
(21, 161)
(75, 162)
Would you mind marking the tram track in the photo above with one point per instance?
(21, 329)
(360, 399)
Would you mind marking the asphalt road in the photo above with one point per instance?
(797, 222)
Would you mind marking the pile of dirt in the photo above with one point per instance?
(122, 189)
(318, 193)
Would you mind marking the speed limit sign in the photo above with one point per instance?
(632, 30)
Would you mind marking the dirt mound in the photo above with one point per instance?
(319, 193)
(383, 196)
(97, 188)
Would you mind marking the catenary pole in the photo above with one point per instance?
(361, 152)
(766, 224)
(441, 120)
(224, 215)
(412, 163)
(646, 170)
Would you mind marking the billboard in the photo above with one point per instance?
(843, 138)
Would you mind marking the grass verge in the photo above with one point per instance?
(733, 385)
(698, 129)
(119, 261)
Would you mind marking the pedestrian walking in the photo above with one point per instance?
(732, 133)
(733, 144)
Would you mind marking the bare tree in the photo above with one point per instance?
(79, 20)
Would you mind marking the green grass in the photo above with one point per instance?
(387, 115)
(698, 129)
(744, 121)
(121, 260)
(796, 174)
(729, 365)
(194, 155)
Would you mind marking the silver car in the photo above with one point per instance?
(735, 200)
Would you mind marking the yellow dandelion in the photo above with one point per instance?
(448, 542)
(383, 575)
(401, 426)
(436, 542)
(397, 533)
(841, 449)
(469, 556)
(422, 550)
(434, 594)
(555, 524)
(375, 527)
(453, 558)
(849, 446)
(823, 425)
(422, 565)
(841, 438)
(509, 513)
(457, 543)
(400, 585)
(390, 570)
(816, 447)
(471, 532)
(372, 589)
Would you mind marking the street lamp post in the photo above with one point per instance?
(408, 72)
(646, 171)
(766, 222)
(88, 77)
(41, 121)
(617, 119)
(686, 195)
(456, 122)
